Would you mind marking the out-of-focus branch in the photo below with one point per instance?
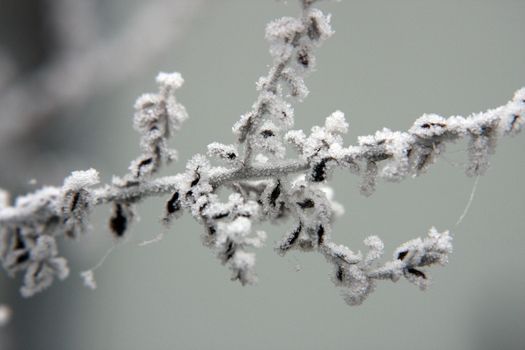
(78, 71)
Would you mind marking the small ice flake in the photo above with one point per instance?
(89, 279)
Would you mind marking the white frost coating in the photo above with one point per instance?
(5, 315)
(157, 118)
(44, 266)
(429, 125)
(336, 123)
(170, 80)
(89, 279)
(376, 249)
(265, 184)
(281, 34)
(295, 84)
(221, 151)
(81, 179)
(242, 266)
(4, 199)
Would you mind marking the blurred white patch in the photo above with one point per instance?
(5, 315)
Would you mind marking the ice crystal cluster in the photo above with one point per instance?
(266, 183)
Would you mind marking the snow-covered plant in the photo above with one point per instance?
(265, 181)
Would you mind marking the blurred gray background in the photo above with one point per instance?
(69, 73)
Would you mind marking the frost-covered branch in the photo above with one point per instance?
(266, 183)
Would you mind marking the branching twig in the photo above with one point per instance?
(266, 184)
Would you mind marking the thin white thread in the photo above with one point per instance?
(467, 207)
(155, 239)
(88, 275)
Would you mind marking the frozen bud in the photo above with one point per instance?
(243, 267)
(358, 285)
(226, 152)
(341, 254)
(304, 59)
(281, 33)
(296, 138)
(429, 125)
(242, 127)
(336, 123)
(45, 248)
(267, 139)
(145, 102)
(77, 201)
(396, 146)
(290, 239)
(170, 80)
(81, 179)
(479, 150)
(318, 28)
(261, 83)
(376, 249)
(295, 83)
(40, 275)
(513, 116)
(281, 112)
(418, 253)
(283, 29)
(177, 114)
(238, 228)
(44, 266)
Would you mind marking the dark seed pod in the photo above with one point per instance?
(276, 192)
(74, 201)
(318, 173)
(230, 251)
(291, 239)
(339, 273)
(18, 240)
(119, 221)
(313, 31)
(320, 235)
(22, 258)
(173, 205)
(267, 133)
(196, 180)
(402, 255)
(220, 215)
(303, 59)
(416, 273)
(142, 165)
(307, 203)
